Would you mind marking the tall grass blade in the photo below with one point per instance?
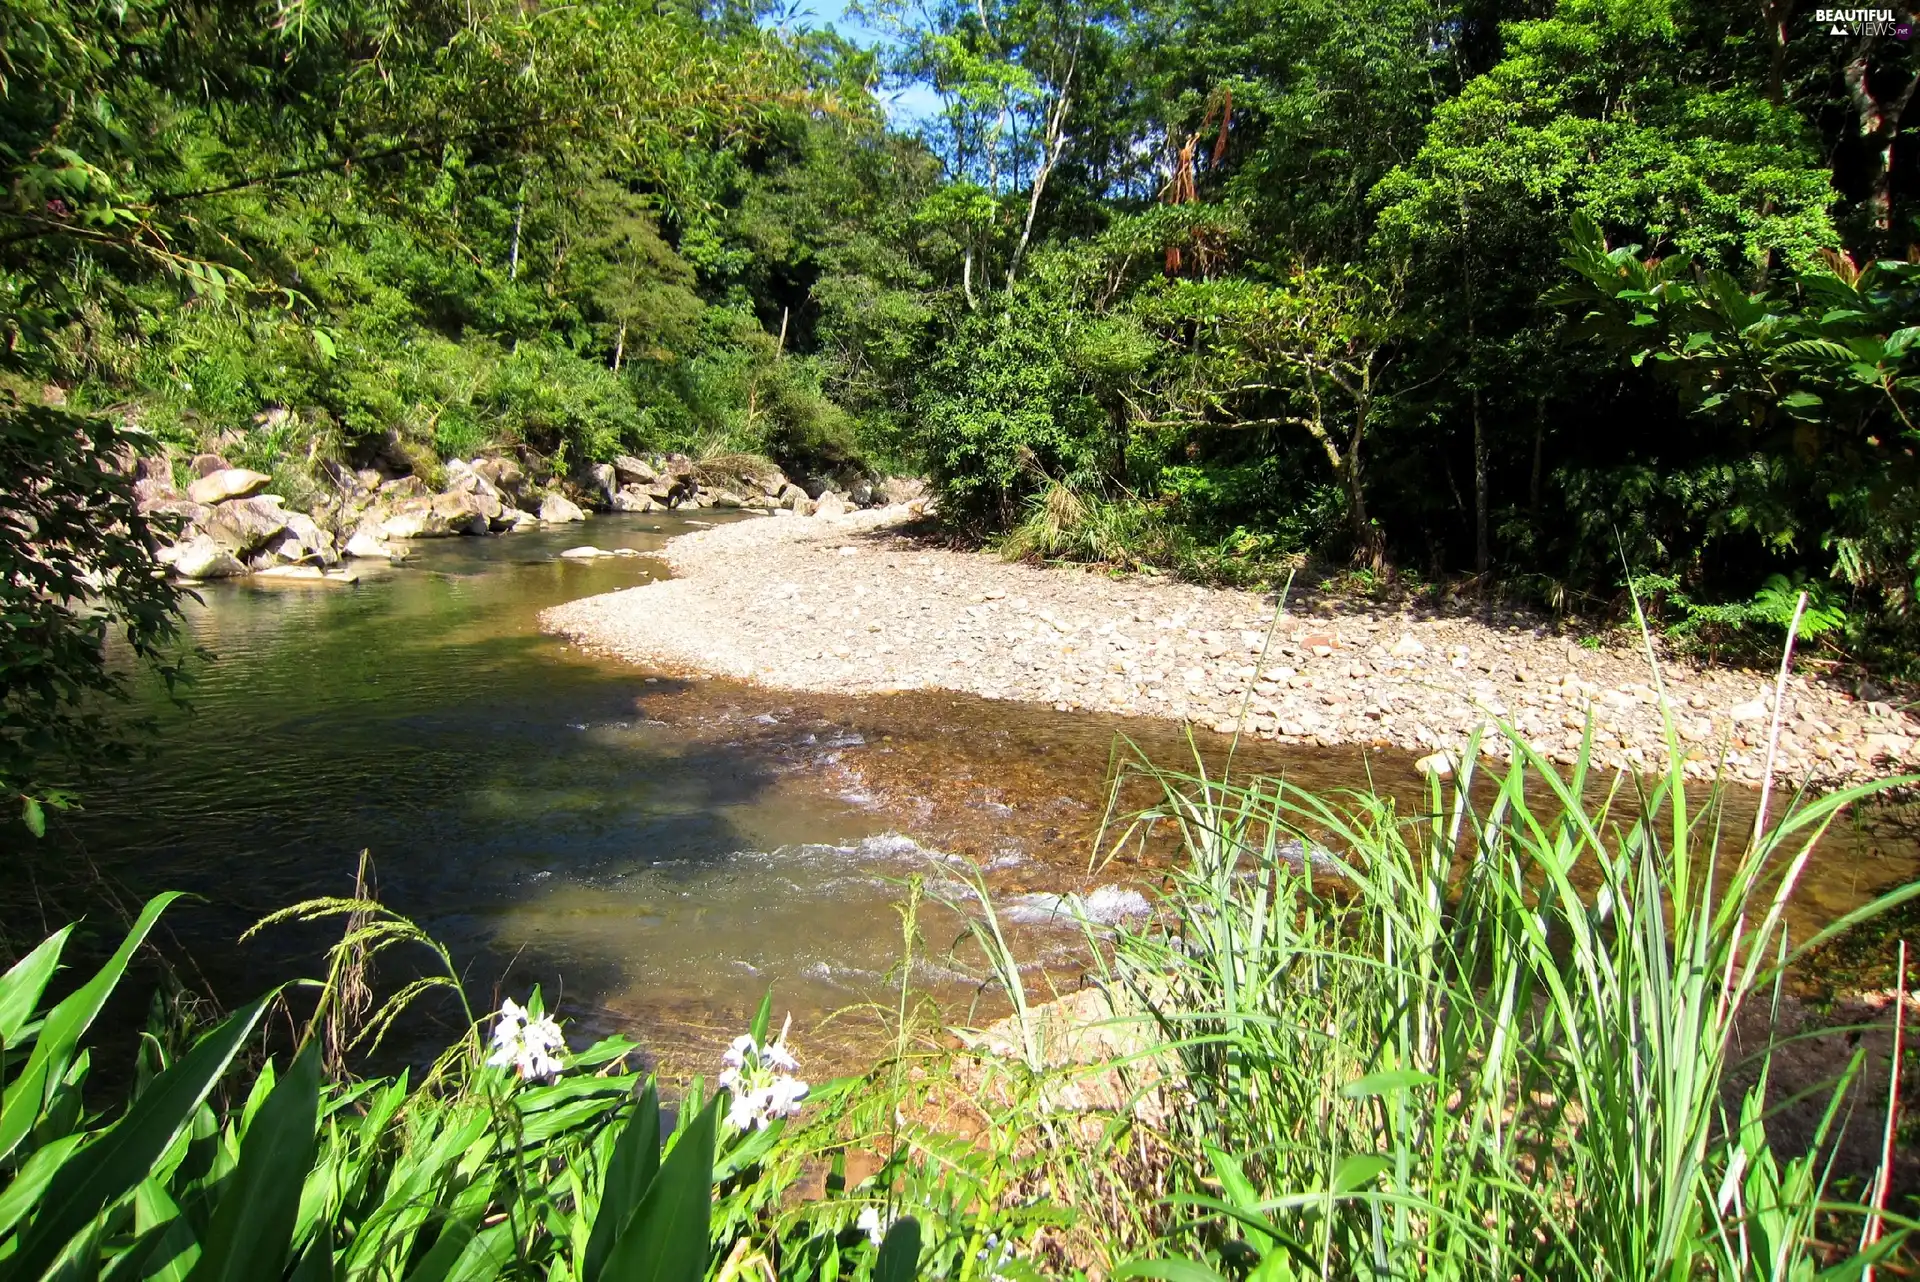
(115, 1164)
(61, 1031)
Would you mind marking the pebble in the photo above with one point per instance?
(793, 605)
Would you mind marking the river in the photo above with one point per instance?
(655, 851)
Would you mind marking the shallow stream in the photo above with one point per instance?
(655, 851)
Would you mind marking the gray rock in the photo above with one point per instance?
(228, 483)
(150, 494)
(775, 484)
(202, 558)
(245, 525)
(600, 483)
(366, 546)
(503, 474)
(727, 498)
(207, 464)
(633, 499)
(555, 510)
(830, 504)
(461, 512)
(633, 471)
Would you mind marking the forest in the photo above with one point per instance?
(1606, 310)
(1540, 297)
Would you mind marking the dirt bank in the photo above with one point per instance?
(855, 604)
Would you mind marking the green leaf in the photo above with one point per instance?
(899, 1252)
(762, 1018)
(1386, 1082)
(1358, 1171)
(666, 1240)
(630, 1172)
(61, 1032)
(33, 816)
(22, 986)
(116, 1163)
(253, 1226)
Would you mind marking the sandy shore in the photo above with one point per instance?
(851, 604)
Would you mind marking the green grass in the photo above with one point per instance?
(1502, 1043)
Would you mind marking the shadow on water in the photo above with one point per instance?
(657, 850)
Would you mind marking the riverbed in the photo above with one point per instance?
(655, 850)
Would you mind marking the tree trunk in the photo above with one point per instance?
(1878, 124)
(513, 254)
(1482, 543)
(1369, 549)
(620, 347)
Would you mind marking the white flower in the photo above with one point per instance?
(873, 1224)
(760, 1078)
(737, 1053)
(530, 1046)
(784, 1096)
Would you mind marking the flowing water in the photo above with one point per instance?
(655, 851)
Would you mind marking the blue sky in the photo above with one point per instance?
(906, 106)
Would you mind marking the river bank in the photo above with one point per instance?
(858, 604)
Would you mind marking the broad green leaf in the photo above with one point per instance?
(33, 816)
(115, 1164)
(630, 1172)
(253, 1227)
(1358, 1171)
(899, 1252)
(1386, 1082)
(61, 1032)
(666, 1240)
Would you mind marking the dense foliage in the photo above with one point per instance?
(1208, 283)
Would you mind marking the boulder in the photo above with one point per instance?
(861, 495)
(503, 474)
(775, 484)
(188, 513)
(201, 558)
(150, 493)
(632, 471)
(802, 506)
(632, 499)
(727, 498)
(367, 546)
(588, 553)
(245, 525)
(511, 518)
(461, 512)
(901, 489)
(791, 494)
(555, 510)
(404, 487)
(228, 483)
(599, 482)
(207, 464)
(830, 504)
